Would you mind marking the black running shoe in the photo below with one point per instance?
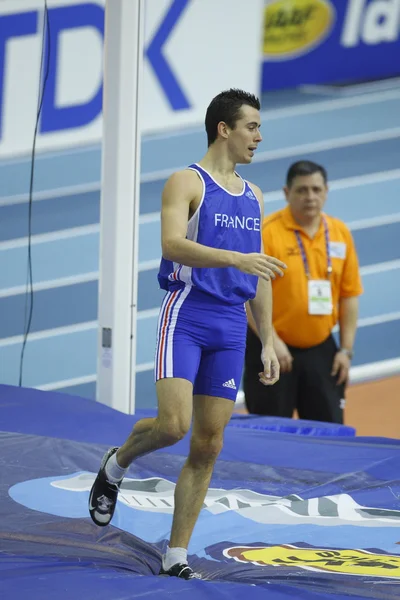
(103, 495)
(181, 570)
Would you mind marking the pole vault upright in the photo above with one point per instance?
(119, 217)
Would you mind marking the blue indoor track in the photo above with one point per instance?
(355, 135)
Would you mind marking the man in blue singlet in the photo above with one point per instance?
(212, 264)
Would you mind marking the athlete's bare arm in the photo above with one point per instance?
(181, 193)
(261, 311)
(261, 305)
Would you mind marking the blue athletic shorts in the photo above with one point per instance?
(203, 340)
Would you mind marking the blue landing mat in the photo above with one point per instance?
(296, 426)
(90, 421)
(287, 516)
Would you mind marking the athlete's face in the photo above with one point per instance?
(245, 137)
(307, 195)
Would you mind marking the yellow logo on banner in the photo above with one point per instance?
(292, 27)
(350, 562)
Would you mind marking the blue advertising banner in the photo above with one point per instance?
(329, 41)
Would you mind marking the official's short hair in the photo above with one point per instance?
(226, 107)
(304, 167)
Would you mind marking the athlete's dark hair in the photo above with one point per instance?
(226, 107)
(304, 167)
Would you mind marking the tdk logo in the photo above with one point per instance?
(249, 223)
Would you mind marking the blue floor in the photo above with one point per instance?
(357, 138)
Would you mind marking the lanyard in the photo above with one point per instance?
(303, 252)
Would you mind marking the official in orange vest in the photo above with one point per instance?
(320, 288)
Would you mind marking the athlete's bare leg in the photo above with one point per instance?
(210, 417)
(176, 405)
(171, 424)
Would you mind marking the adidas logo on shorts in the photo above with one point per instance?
(230, 384)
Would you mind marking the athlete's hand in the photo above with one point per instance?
(270, 375)
(261, 265)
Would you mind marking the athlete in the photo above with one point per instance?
(212, 264)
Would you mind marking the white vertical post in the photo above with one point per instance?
(119, 217)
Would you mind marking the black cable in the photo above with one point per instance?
(42, 87)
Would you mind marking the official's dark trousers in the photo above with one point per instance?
(309, 387)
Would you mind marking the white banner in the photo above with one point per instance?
(193, 50)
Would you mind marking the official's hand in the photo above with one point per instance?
(341, 367)
(270, 375)
(261, 265)
(283, 355)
